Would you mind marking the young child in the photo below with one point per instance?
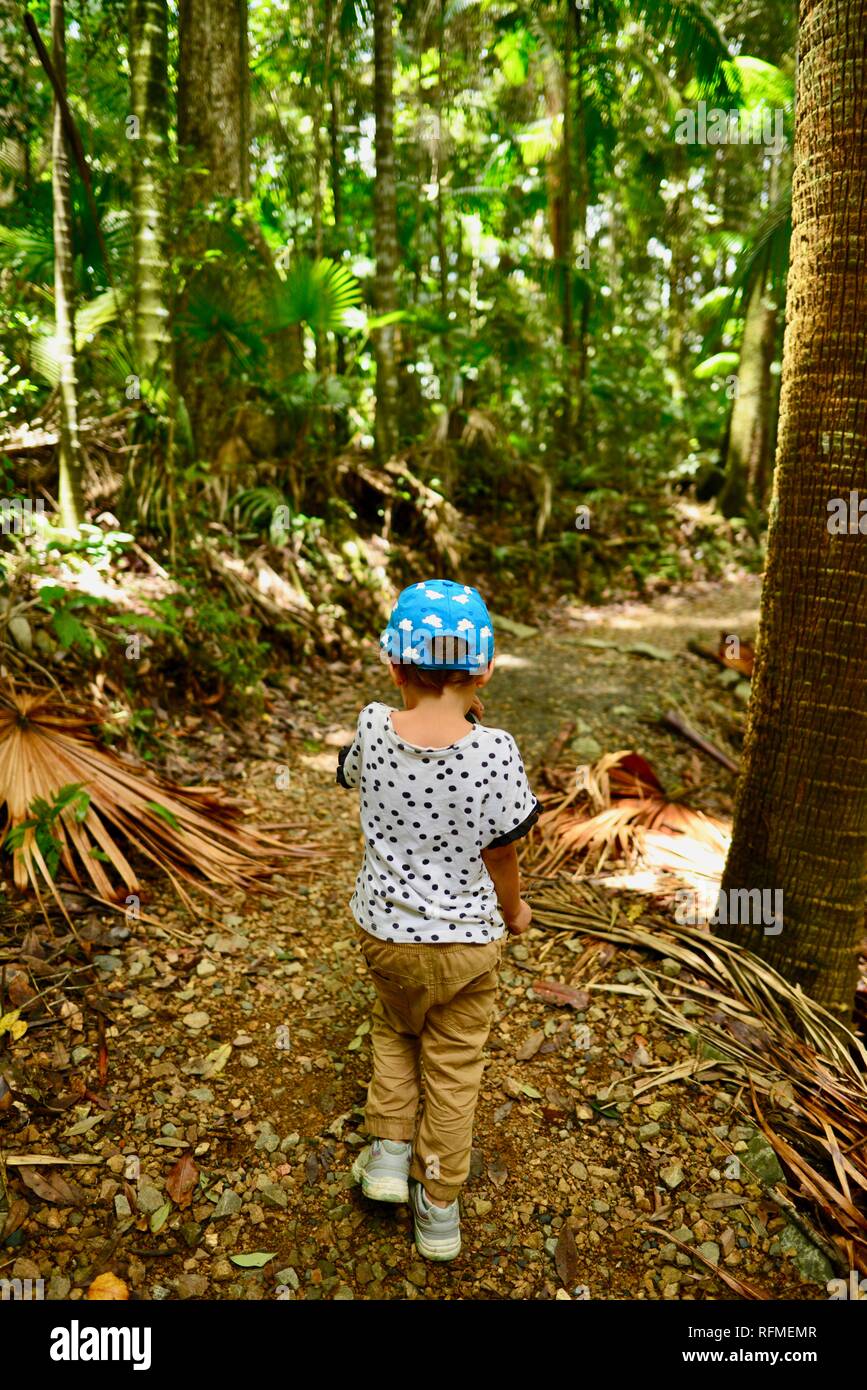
(443, 801)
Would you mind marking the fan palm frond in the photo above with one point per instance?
(319, 293)
(70, 801)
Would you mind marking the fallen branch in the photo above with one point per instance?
(675, 721)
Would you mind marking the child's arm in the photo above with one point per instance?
(502, 865)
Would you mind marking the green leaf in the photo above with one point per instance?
(255, 1260)
(160, 1217)
(168, 816)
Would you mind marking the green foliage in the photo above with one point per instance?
(42, 820)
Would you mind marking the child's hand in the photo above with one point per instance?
(518, 924)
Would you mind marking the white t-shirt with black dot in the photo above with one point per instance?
(426, 814)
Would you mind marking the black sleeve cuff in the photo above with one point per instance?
(340, 779)
(519, 831)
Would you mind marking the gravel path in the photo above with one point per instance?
(242, 1041)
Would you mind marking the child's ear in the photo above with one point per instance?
(483, 680)
(398, 675)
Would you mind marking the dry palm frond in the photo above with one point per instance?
(66, 798)
(795, 1056)
(617, 810)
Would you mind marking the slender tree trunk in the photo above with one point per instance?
(385, 215)
(801, 810)
(148, 22)
(336, 163)
(567, 330)
(750, 428)
(213, 138)
(70, 501)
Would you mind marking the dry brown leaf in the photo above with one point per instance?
(182, 1180)
(108, 1288)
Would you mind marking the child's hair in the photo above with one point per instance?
(442, 649)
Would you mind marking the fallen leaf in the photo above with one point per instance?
(530, 1046)
(216, 1060)
(107, 1287)
(51, 1189)
(160, 1217)
(497, 1171)
(566, 1257)
(552, 992)
(182, 1180)
(255, 1260)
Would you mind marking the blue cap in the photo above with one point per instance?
(439, 608)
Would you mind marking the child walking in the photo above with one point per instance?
(443, 801)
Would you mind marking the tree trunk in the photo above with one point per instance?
(70, 501)
(213, 140)
(385, 240)
(148, 24)
(213, 98)
(801, 810)
(336, 166)
(750, 429)
(567, 325)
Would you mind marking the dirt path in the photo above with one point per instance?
(272, 1118)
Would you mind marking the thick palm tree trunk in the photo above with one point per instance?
(385, 215)
(801, 810)
(148, 23)
(70, 500)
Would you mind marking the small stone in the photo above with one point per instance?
(710, 1250)
(483, 1206)
(648, 1131)
(242, 1040)
(25, 1269)
(149, 1198)
(222, 1271)
(249, 1059)
(288, 1276)
(267, 1143)
(191, 1285)
(58, 1287)
(205, 968)
(762, 1160)
(116, 1163)
(274, 1196)
(672, 1175)
(122, 1208)
(417, 1276)
(195, 1021)
(658, 1109)
(140, 1011)
(344, 1294)
(204, 1094)
(670, 967)
(229, 1204)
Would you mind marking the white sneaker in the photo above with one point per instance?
(437, 1229)
(382, 1168)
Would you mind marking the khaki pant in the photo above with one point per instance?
(432, 1014)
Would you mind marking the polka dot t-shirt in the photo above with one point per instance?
(427, 814)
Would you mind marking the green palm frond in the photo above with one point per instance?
(319, 293)
(765, 256)
(29, 250)
(695, 39)
(90, 318)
